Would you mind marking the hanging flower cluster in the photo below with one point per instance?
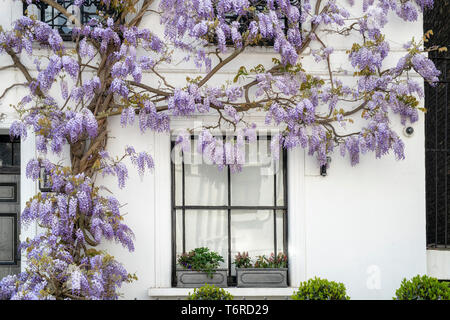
(292, 97)
(61, 261)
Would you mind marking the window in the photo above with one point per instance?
(9, 154)
(229, 212)
(437, 131)
(244, 21)
(57, 20)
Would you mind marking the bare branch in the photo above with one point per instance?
(219, 66)
(10, 87)
(61, 9)
(148, 88)
(7, 67)
(138, 18)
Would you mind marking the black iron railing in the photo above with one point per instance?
(59, 21)
(244, 21)
(437, 131)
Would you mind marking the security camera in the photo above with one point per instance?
(408, 131)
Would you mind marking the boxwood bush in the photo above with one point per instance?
(320, 289)
(423, 288)
(210, 292)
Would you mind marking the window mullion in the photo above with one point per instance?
(229, 216)
(285, 199)
(183, 199)
(274, 211)
(174, 220)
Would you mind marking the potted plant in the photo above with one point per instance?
(200, 266)
(265, 272)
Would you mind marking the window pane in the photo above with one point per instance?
(177, 159)
(254, 185)
(5, 154)
(205, 184)
(252, 231)
(208, 228)
(16, 155)
(57, 20)
(280, 180)
(280, 230)
(89, 11)
(6, 239)
(179, 232)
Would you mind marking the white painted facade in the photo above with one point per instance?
(363, 225)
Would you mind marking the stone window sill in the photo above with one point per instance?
(238, 293)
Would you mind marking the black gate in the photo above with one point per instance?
(437, 131)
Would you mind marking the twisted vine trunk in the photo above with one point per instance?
(84, 153)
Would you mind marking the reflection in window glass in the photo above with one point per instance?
(16, 154)
(205, 185)
(254, 185)
(252, 231)
(281, 226)
(5, 154)
(207, 229)
(9, 151)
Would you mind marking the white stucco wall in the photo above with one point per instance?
(438, 264)
(363, 226)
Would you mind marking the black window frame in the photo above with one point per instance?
(231, 280)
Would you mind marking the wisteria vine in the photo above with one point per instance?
(104, 73)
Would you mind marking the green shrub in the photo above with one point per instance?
(200, 259)
(423, 288)
(210, 292)
(320, 289)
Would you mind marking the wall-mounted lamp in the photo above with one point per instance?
(44, 180)
(323, 168)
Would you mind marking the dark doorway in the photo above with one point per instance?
(9, 205)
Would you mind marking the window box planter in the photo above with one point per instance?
(196, 279)
(261, 277)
